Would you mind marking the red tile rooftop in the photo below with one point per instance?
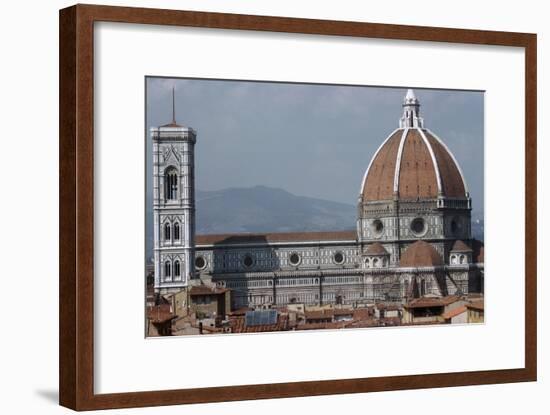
(362, 313)
(343, 311)
(239, 312)
(363, 324)
(460, 246)
(376, 249)
(238, 325)
(431, 301)
(420, 254)
(160, 313)
(204, 290)
(388, 307)
(265, 238)
(476, 305)
(454, 312)
(319, 314)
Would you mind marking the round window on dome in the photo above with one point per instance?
(200, 263)
(248, 261)
(377, 227)
(418, 226)
(338, 258)
(294, 259)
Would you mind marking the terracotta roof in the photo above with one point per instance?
(460, 246)
(211, 329)
(379, 181)
(479, 251)
(319, 314)
(388, 307)
(205, 290)
(424, 323)
(454, 312)
(420, 254)
(417, 176)
(478, 305)
(238, 325)
(451, 179)
(240, 311)
(376, 249)
(362, 313)
(265, 238)
(390, 321)
(160, 313)
(343, 311)
(431, 301)
(363, 324)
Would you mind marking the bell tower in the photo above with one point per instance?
(173, 204)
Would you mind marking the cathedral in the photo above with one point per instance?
(412, 239)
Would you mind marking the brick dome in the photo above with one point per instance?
(413, 163)
(420, 254)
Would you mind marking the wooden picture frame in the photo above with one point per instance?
(76, 178)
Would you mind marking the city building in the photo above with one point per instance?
(413, 233)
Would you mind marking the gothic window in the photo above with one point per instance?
(171, 184)
(166, 231)
(176, 231)
(177, 272)
(167, 269)
(375, 263)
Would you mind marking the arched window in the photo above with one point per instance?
(177, 231)
(171, 184)
(167, 269)
(375, 263)
(177, 271)
(166, 231)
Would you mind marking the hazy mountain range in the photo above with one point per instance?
(266, 209)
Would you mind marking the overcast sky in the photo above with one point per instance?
(311, 140)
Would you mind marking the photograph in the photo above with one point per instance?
(279, 206)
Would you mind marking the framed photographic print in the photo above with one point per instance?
(256, 207)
